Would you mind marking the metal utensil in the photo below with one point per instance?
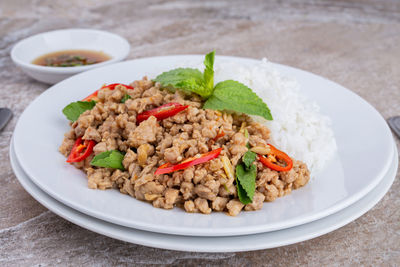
(394, 123)
(5, 116)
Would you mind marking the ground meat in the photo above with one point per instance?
(188, 174)
(271, 192)
(100, 147)
(219, 203)
(172, 155)
(202, 205)
(160, 203)
(204, 192)
(149, 144)
(127, 188)
(187, 190)
(68, 143)
(99, 179)
(144, 133)
(265, 175)
(129, 158)
(190, 207)
(92, 134)
(171, 195)
(258, 201)
(234, 207)
(303, 174)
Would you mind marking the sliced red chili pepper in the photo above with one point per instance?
(113, 85)
(162, 112)
(168, 167)
(276, 153)
(91, 97)
(81, 150)
(220, 134)
(110, 86)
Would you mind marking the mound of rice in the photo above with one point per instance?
(298, 128)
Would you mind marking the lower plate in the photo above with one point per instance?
(212, 244)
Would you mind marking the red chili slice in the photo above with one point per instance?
(162, 112)
(220, 134)
(91, 97)
(277, 154)
(81, 150)
(168, 167)
(113, 85)
(110, 86)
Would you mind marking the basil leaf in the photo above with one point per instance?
(248, 158)
(126, 97)
(109, 159)
(247, 180)
(233, 95)
(75, 109)
(209, 71)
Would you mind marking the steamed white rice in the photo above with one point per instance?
(298, 127)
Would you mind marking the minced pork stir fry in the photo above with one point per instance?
(161, 146)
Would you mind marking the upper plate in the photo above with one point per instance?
(346, 179)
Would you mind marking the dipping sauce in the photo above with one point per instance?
(71, 58)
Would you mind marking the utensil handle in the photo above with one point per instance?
(394, 123)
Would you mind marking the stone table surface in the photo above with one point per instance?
(355, 43)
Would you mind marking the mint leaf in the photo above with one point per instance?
(186, 79)
(232, 95)
(248, 158)
(247, 180)
(75, 109)
(209, 70)
(109, 159)
(242, 194)
(126, 97)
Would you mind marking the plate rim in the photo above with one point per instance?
(187, 243)
(221, 231)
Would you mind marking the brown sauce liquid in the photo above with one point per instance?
(71, 58)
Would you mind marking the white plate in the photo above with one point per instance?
(212, 244)
(349, 177)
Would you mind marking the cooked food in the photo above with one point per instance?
(178, 140)
(71, 58)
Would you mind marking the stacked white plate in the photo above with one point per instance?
(352, 183)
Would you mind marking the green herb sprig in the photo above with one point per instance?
(109, 159)
(73, 110)
(227, 95)
(126, 97)
(246, 173)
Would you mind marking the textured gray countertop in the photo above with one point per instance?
(355, 43)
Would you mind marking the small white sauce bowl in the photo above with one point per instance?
(27, 50)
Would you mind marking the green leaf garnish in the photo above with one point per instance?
(242, 194)
(232, 95)
(246, 173)
(227, 95)
(126, 97)
(209, 71)
(75, 109)
(186, 79)
(109, 159)
(248, 158)
(246, 180)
